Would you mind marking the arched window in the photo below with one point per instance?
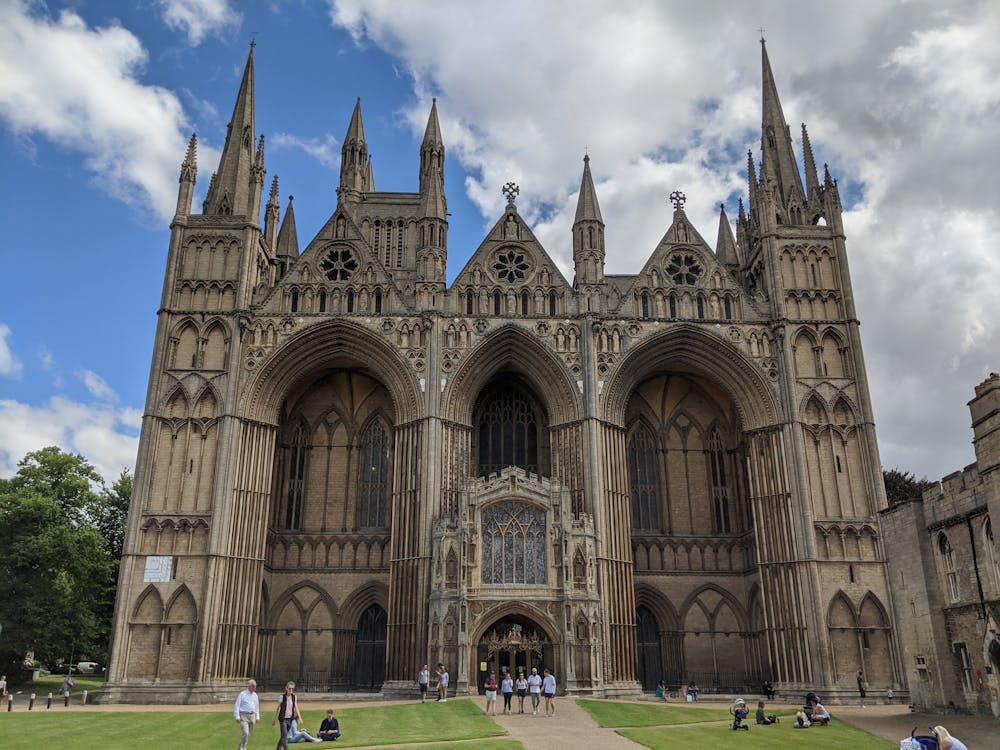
(701, 307)
(378, 300)
(552, 303)
(508, 431)
(295, 300)
(399, 244)
(645, 305)
(468, 303)
(373, 482)
(727, 308)
(950, 571)
(720, 485)
(296, 478)
(524, 302)
(673, 305)
(322, 301)
(350, 300)
(496, 302)
(643, 478)
(377, 237)
(513, 544)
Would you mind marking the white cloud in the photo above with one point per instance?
(79, 87)
(324, 150)
(97, 386)
(9, 364)
(901, 101)
(199, 18)
(106, 436)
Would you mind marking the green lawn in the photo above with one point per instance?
(52, 683)
(614, 714)
(836, 736)
(371, 725)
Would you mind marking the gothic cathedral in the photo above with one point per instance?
(348, 468)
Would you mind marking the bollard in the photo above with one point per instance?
(10, 702)
(31, 702)
(48, 703)
(66, 699)
(84, 698)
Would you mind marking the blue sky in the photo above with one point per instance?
(98, 99)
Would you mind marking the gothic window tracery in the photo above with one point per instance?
(508, 431)
(373, 484)
(296, 478)
(720, 484)
(511, 266)
(513, 544)
(339, 264)
(642, 478)
(684, 268)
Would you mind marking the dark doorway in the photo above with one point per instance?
(514, 644)
(650, 665)
(369, 652)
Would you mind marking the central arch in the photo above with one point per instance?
(514, 642)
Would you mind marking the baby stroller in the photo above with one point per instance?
(918, 742)
(740, 711)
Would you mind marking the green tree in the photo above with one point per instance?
(57, 573)
(903, 487)
(112, 510)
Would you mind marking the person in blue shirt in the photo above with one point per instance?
(297, 735)
(549, 692)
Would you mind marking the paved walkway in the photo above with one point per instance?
(570, 727)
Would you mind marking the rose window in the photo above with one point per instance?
(511, 266)
(683, 269)
(338, 265)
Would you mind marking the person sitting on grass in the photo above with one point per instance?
(761, 718)
(299, 735)
(739, 712)
(661, 692)
(819, 714)
(329, 730)
(801, 721)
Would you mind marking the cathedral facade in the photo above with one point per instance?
(349, 468)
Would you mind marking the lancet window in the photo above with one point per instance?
(296, 478)
(373, 482)
(508, 431)
(513, 544)
(642, 478)
(720, 484)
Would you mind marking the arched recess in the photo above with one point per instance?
(178, 640)
(714, 626)
(804, 355)
(302, 621)
(832, 356)
(216, 353)
(511, 349)
(758, 649)
(185, 353)
(667, 648)
(688, 348)
(875, 641)
(145, 630)
(842, 622)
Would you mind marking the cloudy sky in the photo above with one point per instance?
(98, 99)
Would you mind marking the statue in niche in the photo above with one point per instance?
(510, 228)
(341, 228)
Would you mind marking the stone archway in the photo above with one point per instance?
(514, 642)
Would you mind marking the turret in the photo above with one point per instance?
(287, 247)
(725, 246)
(272, 214)
(588, 232)
(188, 177)
(229, 192)
(814, 193)
(353, 160)
(257, 173)
(432, 249)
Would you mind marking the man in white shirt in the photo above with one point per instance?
(535, 689)
(246, 711)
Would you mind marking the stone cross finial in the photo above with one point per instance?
(678, 198)
(511, 190)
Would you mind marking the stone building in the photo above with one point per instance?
(348, 467)
(945, 573)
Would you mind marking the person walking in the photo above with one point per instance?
(861, 688)
(535, 689)
(288, 711)
(522, 690)
(491, 694)
(443, 683)
(507, 689)
(549, 691)
(246, 711)
(423, 680)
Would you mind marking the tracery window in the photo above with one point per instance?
(296, 478)
(951, 572)
(720, 488)
(338, 265)
(373, 482)
(508, 431)
(642, 478)
(684, 269)
(513, 544)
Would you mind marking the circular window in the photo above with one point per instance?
(683, 269)
(511, 266)
(339, 264)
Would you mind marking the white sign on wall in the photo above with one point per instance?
(158, 568)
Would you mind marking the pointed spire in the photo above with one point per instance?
(776, 143)
(587, 208)
(432, 133)
(742, 213)
(751, 178)
(272, 213)
(369, 177)
(827, 179)
(189, 174)
(230, 192)
(812, 178)
(725, 246)
(432, 151)
(288, 239)
(353, 159)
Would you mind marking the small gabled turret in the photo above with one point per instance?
(229, 192)
(812, 177)
(188, 177)
(256, 192)
(431, 149)
(369, 177)
(353, 159)
(725, 246)
(588, 232)
(272, 214)
(287, 246)
(432, 249)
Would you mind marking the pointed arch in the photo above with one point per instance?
(148, 608)
(175, 406)
(804, 347)
(643, 476)
(372, 592)
(814, 410)
(185, 354)
(216, 352)
(181, 607)
(374, 473)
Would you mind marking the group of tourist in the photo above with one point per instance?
(246, 711)
(534, 685)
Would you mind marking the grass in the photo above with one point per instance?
(52, 683)
(370, 725)
(613, 714)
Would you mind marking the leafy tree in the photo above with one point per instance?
(60, 558)
(903, 487)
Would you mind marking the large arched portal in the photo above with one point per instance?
(369, 650)
(515, 644)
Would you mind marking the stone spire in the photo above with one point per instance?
(369, 176)
(431, 149)
(288, 239)
(354, 159)
(272, 214)
(588, 232)
(432, 251)
(812, 176)
(189, 174)
(778, 163)
(230, 191)
(725, 246)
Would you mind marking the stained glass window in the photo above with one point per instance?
(720, 489)
(508, 431)
(642, 478)
(373, 486)
(514, 544)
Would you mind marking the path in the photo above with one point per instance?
(570, 727)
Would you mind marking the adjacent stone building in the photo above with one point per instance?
(944, 566)
(349, 467)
